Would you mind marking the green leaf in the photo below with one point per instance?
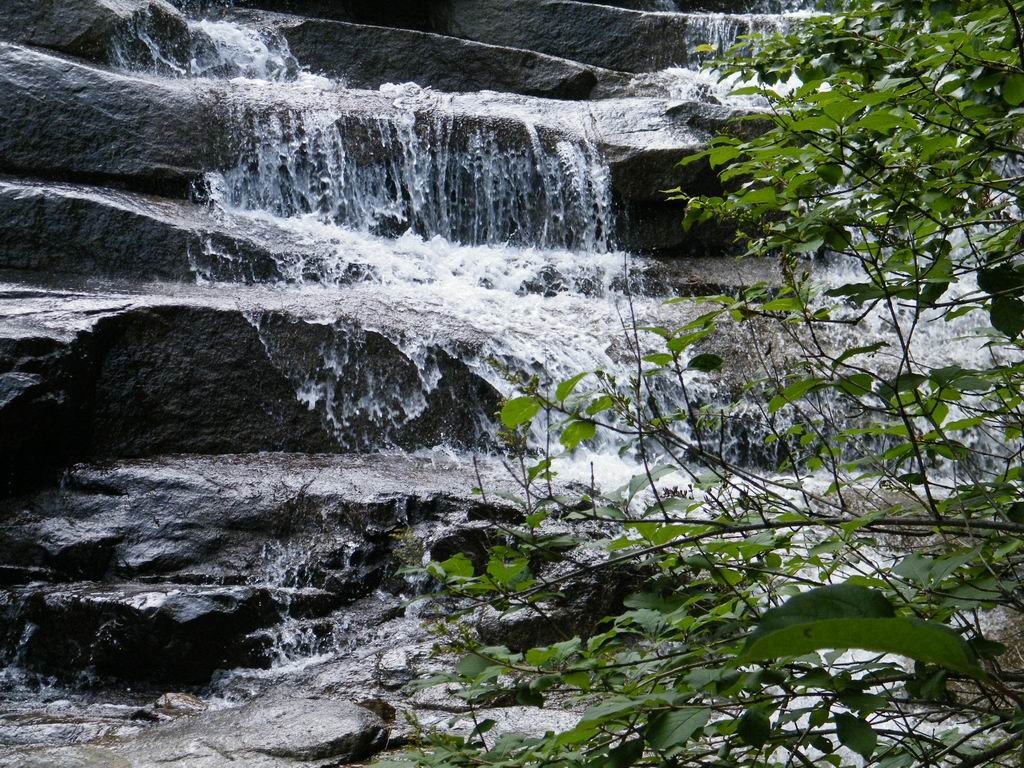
(830, 173)
(609, 709)
(519, 410)
(579, 680)
(458, 565)
(881, 121)
(854, 351)
(566, 387)
(788, 304)
(1007, 315)
(923, 641)
(626, 754)
(1013, 90)
(472, 665)
(856, 734)
(672, 729)
(528, 697)
(835, 601)
(706, 363)
(576, 433)
(754, 727)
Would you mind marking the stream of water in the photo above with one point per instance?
(489, 241)
(506, 231)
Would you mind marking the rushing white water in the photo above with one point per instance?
(427, 173)
(224, 49)
(720, 31)
(476, 243)
(209, 48)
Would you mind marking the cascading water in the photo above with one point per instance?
(491, 219)
(202, 48)
(455, 241)
(427, 172)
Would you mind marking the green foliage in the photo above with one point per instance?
(823, 599)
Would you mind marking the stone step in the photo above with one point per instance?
(88, 230)
(286, 731)
(121, 370)
(103, 373)
(732, 7)
(403, 14)
(171, 568)
(165, 136)
(366, 56)
(612, 38)
(618, 35)
(74, 229)
(602, 35)
(178, 633)
(335, 524)
(94, 29)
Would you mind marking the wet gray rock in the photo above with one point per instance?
(367, 56)
(711, 6)
(267, 733)
(322, 522)
(404, 14)
(66, 757)
(574, 612)
(64, 119)
(179, 633)
(94, 29)
(275, 732)
(171, 379)
(171, 705)
(220, 372)
(100, 232)
(38, 423)
(604, 36)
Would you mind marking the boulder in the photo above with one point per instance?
(88, 230)
(316, 522)
(366, 57)
(266, 733)
(168, 632)
(103, 31)
(608, 37)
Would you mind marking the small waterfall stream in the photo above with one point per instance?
(498, 229)
(463, 245)
(428, 175)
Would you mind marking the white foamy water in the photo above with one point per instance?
(209, 48)
(225, 49)
(432, 174)
(329, 254)
(454, 233)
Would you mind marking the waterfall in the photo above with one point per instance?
(415, 252)
(431, 174)
(721, 31)
(203, 48)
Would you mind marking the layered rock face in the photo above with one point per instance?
(266, 273)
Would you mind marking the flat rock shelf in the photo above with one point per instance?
(258, 263)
